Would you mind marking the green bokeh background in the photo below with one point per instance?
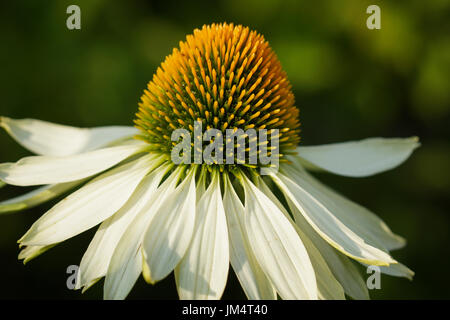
(350, 83)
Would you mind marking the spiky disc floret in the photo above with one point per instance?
(224, 76)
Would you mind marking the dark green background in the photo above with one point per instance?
(350, 83)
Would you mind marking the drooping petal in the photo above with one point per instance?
(88, 206)
(357, 218)
(170, 231)
(327, 285)
(51, 139)
(127, 260)
(255, 283)
(328, 288)
(201, 184)
(38, 170)
(36, 197)
(342, 268)
(202, 273)
(277, 246)
(358, 158)
(30, 252)
(346, 272)
(328, 226)
(95, 262)
(397, 270)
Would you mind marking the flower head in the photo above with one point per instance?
(285, 234)
(223, 76)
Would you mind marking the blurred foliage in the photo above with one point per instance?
(350, 83)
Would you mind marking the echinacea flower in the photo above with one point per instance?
(285, 234)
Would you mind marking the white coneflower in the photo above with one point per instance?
(284, 233)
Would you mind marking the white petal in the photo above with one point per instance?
(277, 246)
(357, 218)
(127, 260)
(202, 273)
(88, 206)
(89, 285)
(201, 184)
(397, 270)
(346, 272)
(36, 197)
(327, 285)
(37, 170)
(30, 252)
(328, 226)
(96, 259)
(50, 139)
(255, 283)
(170, 231)
(359, 158)
(341, 266)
